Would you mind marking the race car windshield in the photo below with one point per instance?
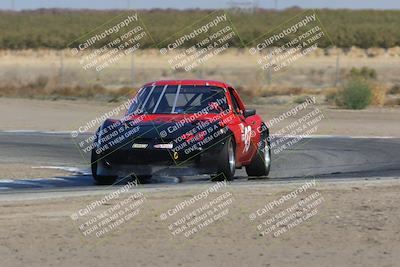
(179, 99)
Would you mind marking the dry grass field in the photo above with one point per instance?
(318, 70)
(52, 74)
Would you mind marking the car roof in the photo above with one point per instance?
(189, 82)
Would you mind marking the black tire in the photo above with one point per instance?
(100, 179)
(226, 162)
(261, 163)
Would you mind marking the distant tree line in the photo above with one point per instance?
(58, 28)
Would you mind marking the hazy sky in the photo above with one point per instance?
(182, 4)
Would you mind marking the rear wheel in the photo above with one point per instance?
(226, 162)
(261, 163)
(100, 179)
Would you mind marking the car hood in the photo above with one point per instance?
(155, 127)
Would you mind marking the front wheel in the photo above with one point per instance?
(100, 179)
(261, 163)
(226, 162)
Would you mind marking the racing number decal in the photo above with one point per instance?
(246, 136)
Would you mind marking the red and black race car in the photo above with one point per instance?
(182, 128)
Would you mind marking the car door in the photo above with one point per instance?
(243, 129)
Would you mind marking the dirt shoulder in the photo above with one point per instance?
(63, 115)
(355, 225)
(26, 171)
(46, 115)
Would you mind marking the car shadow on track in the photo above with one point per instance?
(70, 181)
(87, 180)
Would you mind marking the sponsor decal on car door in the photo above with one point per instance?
(246, 137)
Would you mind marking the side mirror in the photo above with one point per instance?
(249, 112)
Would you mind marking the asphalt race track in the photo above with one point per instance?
(339, 158)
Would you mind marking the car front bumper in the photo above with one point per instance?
(132, 161)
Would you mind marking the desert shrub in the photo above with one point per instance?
(363, 73)
(357, 91)
(300, 99)
(355, 94)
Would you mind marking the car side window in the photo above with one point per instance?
(236, 108)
